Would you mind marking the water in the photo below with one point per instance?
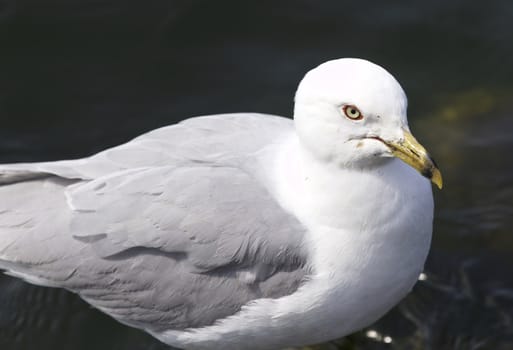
(77, 77)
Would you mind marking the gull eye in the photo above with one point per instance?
(352, 112)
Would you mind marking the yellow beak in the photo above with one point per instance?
(414, 154)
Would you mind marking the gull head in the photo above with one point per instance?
(352, 113)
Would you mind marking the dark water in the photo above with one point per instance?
(78, 76)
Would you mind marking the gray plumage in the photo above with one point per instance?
(175, 229)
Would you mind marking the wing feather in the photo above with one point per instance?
(181, 235)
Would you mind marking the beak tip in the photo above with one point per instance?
(436, 178)
(433, 174)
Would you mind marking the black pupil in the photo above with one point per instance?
(352, 111)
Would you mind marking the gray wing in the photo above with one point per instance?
(169, 247)
(198, 243)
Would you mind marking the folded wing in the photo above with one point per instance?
(170, 245)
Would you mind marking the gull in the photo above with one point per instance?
(238, 231)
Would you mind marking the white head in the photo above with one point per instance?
(352, 113)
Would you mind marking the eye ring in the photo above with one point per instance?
(352, 112)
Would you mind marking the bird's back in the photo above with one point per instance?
(224, 137)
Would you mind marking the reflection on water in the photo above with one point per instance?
(76, 79)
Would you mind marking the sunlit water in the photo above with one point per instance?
(73, 84)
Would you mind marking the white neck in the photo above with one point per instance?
(361, 247)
